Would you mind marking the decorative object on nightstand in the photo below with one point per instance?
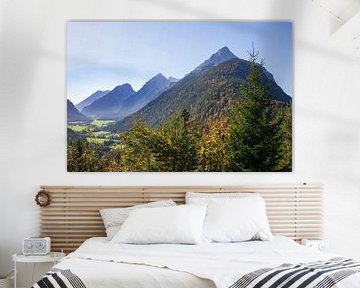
(36, 246)
(320, 245)
(53, 257)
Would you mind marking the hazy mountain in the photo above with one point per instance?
(89, 100)
(73, 114)
(208, 92)
(173, 80)
(152, 89)
(108, 106)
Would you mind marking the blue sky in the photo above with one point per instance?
(102, 55)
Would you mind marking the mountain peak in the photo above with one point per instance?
(126, 86)
(225, 51)
(158, 76)
(157, 80)
(123, 88)
(151, 89)
(110, 103)
(222, 55)
(90, 99)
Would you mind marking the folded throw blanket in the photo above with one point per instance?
(319, 274)
(59, 278)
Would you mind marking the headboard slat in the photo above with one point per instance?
(73, 216)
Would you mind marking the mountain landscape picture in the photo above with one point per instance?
(179, 96)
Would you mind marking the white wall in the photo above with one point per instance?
(32, 109)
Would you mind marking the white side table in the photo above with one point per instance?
(53, 257)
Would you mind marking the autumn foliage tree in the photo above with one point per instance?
(136, 152)
(174, 144)
(213, 149)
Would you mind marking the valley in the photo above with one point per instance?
(94, 132)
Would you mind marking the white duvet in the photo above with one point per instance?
(100, 263)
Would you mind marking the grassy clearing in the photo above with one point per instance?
(101, 123)
(102, 134)
(77, 127)
(96, 140)
(91, 133)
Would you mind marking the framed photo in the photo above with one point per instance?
(179, 96)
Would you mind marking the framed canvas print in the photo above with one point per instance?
(176, 96)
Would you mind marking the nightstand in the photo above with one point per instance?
(53, 257)
(320, 245)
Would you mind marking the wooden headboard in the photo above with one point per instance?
(73, 215)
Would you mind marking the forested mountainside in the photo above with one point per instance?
(207, 95)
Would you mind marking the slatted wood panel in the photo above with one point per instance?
(73, 215)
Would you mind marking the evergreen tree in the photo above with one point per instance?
(83, 156)
(254, 129)
(285, 163)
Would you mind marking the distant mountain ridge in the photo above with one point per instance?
(151, 89)
(123, 101)
(73, 115)
(107, 106)
(89, 100)
(208, 92)
(173, 79)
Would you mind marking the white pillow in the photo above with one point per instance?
(180, 224)
(113, 218)
(204, 198)
(236, 220)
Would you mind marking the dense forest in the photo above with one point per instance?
(255, 135)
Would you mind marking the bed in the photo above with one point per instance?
(294, 211)
(99, 263)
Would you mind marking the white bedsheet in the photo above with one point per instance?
(102, 264)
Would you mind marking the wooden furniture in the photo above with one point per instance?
(73, 214)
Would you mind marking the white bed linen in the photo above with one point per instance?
(101, 274)
(222, 263)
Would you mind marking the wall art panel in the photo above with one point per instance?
(179, 96)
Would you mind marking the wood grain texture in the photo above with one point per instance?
(73, 215)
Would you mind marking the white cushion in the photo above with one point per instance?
(236, 220)
(113, 218)
(204, 198)
(181, 225)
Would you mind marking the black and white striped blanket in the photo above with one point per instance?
(57, 278)
(320, 274)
